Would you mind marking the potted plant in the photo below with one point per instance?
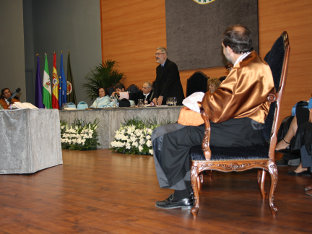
(103, 75)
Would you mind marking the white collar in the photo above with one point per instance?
(241, 57)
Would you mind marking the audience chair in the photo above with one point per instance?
(260, 157)
(196, 83)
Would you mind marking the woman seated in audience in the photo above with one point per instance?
(188, 116)
(102, 101)
(299, 137)
(213, 84)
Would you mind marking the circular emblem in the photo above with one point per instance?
(202, 2)
(69, 88)
(47, 84)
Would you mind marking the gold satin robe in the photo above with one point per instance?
(243, 93)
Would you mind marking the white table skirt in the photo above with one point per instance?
(111, 118)
(30, 140)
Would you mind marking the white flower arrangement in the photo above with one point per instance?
(79, 135)
(134, 137)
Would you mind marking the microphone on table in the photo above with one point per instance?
(13, 95)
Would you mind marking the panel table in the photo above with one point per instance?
(111, 118)
(30, 140)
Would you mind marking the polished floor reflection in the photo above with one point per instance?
(99, 191)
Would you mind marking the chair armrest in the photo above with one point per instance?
(206, 140)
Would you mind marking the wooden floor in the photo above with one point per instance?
(102, 192)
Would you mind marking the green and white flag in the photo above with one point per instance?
(46, 85)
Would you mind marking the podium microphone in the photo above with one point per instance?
(14, 94)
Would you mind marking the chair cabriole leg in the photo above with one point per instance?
(274, 177)
(195, 183)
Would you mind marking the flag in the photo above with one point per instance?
(38, 91)
(70, 83)
(55, 87)
(63, 86)
(60, 93)
(46, 89)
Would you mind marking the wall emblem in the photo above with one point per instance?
(202, 2)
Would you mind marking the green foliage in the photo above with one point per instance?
(103, 76)
(79, 135)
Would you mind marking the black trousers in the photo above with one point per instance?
(171, 149)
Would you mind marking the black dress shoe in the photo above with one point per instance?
(172, 203)
(303, 173)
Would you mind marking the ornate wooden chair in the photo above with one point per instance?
(259, 157)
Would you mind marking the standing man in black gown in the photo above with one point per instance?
(167, 83)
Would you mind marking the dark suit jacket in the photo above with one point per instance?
(168, 83)
(149, 97)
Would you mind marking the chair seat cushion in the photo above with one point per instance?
(228, 153)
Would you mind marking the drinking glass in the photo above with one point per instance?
(140, 103)
(174, 101)
(169, 101)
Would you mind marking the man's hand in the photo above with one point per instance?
(159, 100)
(154, 101)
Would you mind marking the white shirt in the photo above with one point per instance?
(145, 95)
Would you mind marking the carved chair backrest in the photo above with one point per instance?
(279, 82)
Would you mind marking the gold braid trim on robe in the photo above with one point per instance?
(243, 93)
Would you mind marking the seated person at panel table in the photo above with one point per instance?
(299, 137)
(119, 87)
(147, 93)
(133, 91)
(133, 88)
(250, 79)
(121, 95)
(5, 98)
(102, 101)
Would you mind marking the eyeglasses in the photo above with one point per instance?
(159, 53)
(145, 87)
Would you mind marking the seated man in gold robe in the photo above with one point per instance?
(237, 111)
